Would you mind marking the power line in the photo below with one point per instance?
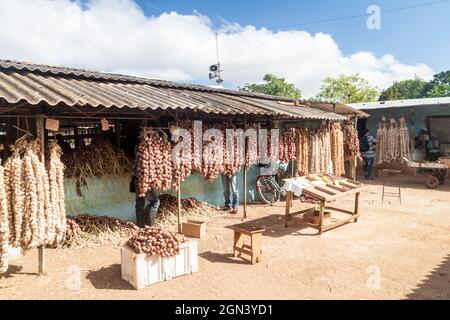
(360, 15)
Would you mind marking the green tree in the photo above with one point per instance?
(275, 86)
(439, 86)
(347, 89)
(406, 89)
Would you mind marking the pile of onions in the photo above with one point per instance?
(155, 241)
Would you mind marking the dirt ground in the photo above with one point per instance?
(393, 252)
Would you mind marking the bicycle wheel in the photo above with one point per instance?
(268, 190)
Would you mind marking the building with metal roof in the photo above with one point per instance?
(68, 90)
(432, 114)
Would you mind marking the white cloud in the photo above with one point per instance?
(116, 36)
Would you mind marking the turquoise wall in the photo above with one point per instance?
(111, 196)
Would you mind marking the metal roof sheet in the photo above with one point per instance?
(22, 82)
(401, 103)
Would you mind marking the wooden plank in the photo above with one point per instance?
(252, 230)
(348, 185)
(316, 194)
(339, 223)
(241, 250)
(327, 191)
(289, 197)
(338, 188)
(339, 210)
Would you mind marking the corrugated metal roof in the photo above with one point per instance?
(22, 82)
(338, 108)
(401, 103)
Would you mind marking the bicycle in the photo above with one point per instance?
(269, 186)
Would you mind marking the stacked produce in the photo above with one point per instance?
(337, 149)
(392, 141)
(154, 241)
(351, 146)
(287, 146)
(32, 198)
(302, 152)
(154, 162)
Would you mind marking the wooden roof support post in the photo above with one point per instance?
(413, 133)
(355, 156)
(40, 134)
(179, 194)
(245, 169)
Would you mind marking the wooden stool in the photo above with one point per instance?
(398, 194)
(254, 249)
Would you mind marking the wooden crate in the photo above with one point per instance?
(141, 271)
(313, 218)
(194, 229)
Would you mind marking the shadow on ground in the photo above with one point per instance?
(436, 285)
(274, 225)
(215, 257)
(108, 278)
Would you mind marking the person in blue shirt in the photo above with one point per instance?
(367, 148)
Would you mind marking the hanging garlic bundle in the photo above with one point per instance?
(30, 227)
(213, 157)
(4, 224)
(315, 152)
(8, 174)
(337, 149)
(382, 143)
(393, 141)
(17, 198)
(404, 140)
(56, 184)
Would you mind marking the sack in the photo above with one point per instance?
(364, 145)
(133, 185)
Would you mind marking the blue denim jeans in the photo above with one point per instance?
(230, 191)
(368, 166)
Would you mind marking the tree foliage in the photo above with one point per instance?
(406, 89)
(275, 86)
(347, 89)
(439, 86)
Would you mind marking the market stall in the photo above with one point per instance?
(323, 190)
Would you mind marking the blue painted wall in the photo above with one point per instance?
(111, 196)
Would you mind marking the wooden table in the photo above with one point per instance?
(254, 248)
(326, 195)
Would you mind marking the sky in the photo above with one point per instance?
(175, 39)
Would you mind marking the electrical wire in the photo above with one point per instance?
(360, 15)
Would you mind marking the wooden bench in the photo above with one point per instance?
(254, 248)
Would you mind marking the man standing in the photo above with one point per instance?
(367, 148)
(231, 193)
(433, 148)
(147, 206)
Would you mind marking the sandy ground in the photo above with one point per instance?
(393, 252)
